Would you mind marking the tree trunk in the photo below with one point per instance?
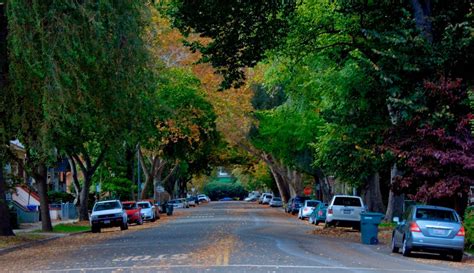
(83, 200)
(372, 194)
(41, 175)
(5, 224)
(75, 182)
(395, 202)
(281, 185)
(422, 13)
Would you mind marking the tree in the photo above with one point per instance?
(5, 121)
(240, 31)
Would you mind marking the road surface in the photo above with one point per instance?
(219, 237)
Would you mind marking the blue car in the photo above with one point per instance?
(319, 214)
(226, 199)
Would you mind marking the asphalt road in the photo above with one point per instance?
(221, 237)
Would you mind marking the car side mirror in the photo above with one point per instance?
(396, 220)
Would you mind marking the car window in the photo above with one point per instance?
(435, 215)
(106, 206)
(276, 199)
(347, 201)
(129, 205)
(144, 205)
(312, 203)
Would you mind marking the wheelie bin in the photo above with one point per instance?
(369, 227)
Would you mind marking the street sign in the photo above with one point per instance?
(307, 190)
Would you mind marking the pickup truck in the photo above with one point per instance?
(108, 214)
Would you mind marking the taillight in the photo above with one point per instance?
(461, 232)
(305, 209)
(414, 227)
(329, 211)
(320, 213)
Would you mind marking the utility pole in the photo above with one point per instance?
(138, 173)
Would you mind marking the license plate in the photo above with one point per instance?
(347, 211)
(106, 221)
(438, 231)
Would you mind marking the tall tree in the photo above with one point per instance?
(5, 133)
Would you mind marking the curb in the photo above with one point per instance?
(37, 243)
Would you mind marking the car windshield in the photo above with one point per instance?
(347, 201)
(436, 215)
(106, 206)
(312, 203)
(129, 205)
(144, 205)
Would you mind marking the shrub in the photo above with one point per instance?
(218, 190)
(469, 227)
(60, 197)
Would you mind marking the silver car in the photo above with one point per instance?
(429, 229)
(276, 202)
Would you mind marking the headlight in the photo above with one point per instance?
(94, 217)
(118, 215)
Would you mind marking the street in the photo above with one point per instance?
(219, 237)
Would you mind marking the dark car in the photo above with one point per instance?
(296, 204)
(226, 199)
(319, 214)
(429, 229)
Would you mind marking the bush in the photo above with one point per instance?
(469, 227)
(60, 197)
(218, 190)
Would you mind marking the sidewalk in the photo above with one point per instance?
(30, 227)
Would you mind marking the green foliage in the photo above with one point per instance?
(469, 227)
(217, 190)
(119, 187)
(60, 197)
(241, 31)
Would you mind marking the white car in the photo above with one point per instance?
(308, 208)
(345, 210)
(148, 211)
(268, 197)
(108, 214)
(203, 198)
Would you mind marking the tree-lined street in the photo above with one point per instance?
(222, 237)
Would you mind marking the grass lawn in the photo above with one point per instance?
(387, 225)
(9, 241)
(71, 228)
(470, 250)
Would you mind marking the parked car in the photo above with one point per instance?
(203, 198)
(319, 214)
(226, 199)
(149, 212)
(177, 203)
(307, 208)
(296, 203)
(191, 201)
(429, 229)
(133, 212)
(266, 200)
(276, 202)
(108, 214)
(251, 198)
(345, 210)
(262, 197)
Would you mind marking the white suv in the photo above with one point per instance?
(345, 210)
(108, 214)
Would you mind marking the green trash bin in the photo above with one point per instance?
(169, 209)
(369, 227)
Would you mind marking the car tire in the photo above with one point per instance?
(395, 249)
(406, 251)
(124, 226)
(457, 256)
(316, 222)
(95, 229)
